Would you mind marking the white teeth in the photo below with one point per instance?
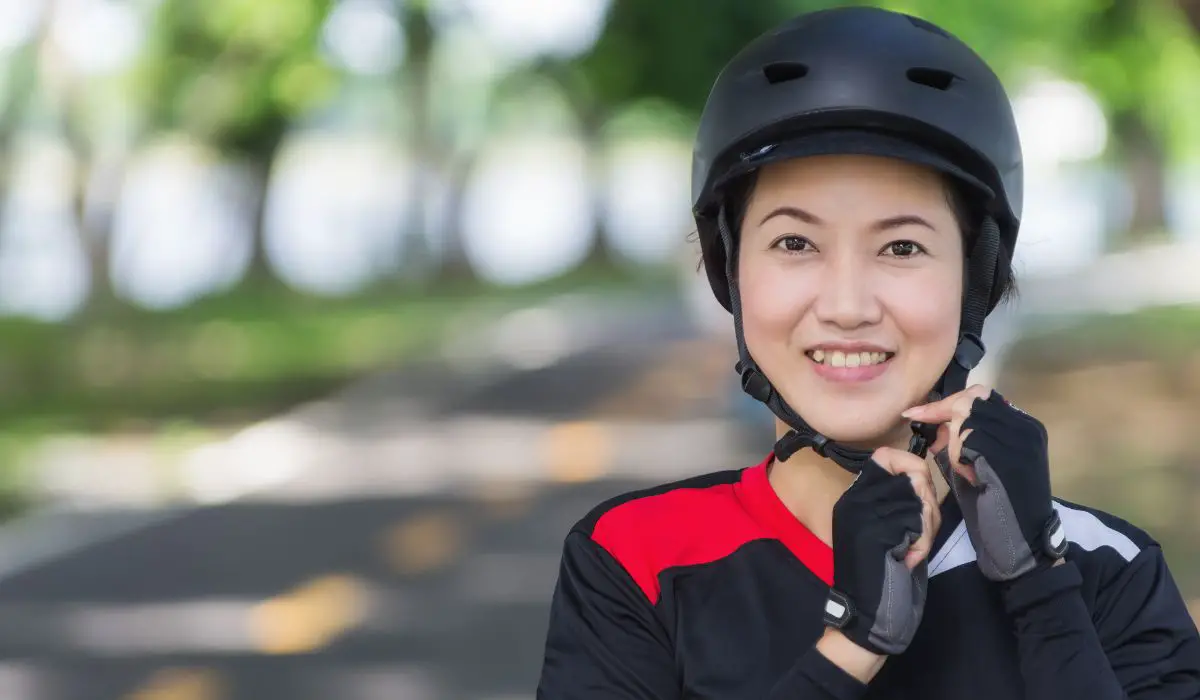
(837, 358)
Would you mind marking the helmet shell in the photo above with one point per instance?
(855, 68)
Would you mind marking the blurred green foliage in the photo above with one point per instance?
(235, 73)
(671, 50)
(239, 74)
(1138, 56)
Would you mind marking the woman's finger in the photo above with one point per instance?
(966, 471)
(923, 547)
(921, 477)
(902, 462)
(942, 411)
(959, 414)
(942, 441)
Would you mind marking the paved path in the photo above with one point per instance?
(420, 598)
(397, 541)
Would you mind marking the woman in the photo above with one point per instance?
(857, 190)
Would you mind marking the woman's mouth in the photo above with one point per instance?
(849, 366)
(838, 358)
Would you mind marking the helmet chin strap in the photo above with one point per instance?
(981, 267)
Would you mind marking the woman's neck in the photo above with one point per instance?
(809, 485)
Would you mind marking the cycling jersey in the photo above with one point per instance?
(710, 588)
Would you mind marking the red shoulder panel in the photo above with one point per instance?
(692, 526)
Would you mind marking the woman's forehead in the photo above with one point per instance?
(865, 179)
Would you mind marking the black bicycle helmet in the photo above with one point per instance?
(861, 80)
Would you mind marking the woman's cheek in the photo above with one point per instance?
(925, 313)
(772, 302)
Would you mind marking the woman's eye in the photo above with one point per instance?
(793, 244)
(904, 249)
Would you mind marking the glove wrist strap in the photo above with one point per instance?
(1054, 538)
(841, 614)
(839, 610)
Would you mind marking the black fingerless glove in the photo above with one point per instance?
(1009, 513)
(876, 601)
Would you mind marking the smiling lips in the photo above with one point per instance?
(850, 364)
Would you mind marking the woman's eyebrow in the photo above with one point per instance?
(795, 213)
(892, 222)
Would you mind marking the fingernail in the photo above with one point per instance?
(910, 413)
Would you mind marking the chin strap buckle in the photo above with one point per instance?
(924, 435)
(967, 356)
(970, 351)
(754, 382)
(788, 445)
(793, 441)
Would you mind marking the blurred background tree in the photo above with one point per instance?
(236, 75)
(185, 179)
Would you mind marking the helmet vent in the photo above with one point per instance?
(932, 77)
(784, 72)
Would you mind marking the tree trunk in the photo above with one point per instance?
(93, 216)
(1191, 13)
(1145, 163)
(259, 271)
(591, 117)
(416, 258)
(95, 235)
(93, 224)
(455, 265)
(601, 255)
(260, 274)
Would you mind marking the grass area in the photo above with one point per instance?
(1168, 334)
(1118, 396)
(242, 355)
(234, 358)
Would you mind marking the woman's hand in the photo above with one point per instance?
(949, 414)
(996, 460)
(883, 530)
(900, 462)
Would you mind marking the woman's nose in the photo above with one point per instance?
(846, 295)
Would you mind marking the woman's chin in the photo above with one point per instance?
(866, 435)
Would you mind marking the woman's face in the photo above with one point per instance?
(851, 274)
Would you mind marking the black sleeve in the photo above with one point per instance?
(816, 677)
(1138, 642)
(605, 641)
